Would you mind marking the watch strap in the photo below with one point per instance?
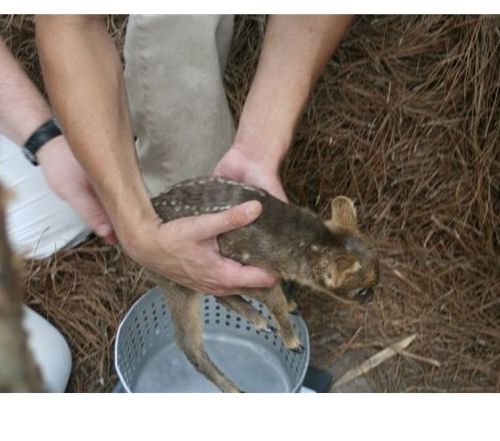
(47, 131)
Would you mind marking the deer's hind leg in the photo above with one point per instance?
(183, 304)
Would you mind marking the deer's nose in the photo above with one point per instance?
(364, 295)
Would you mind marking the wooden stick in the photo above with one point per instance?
(375, 360)
(420, 358)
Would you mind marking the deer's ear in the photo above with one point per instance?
(343, 215)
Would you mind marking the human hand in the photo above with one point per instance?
(240, 165)
(186, 251)
(68, 180)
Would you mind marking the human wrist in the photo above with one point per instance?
(135, 227)
(140, 242)
(39, 137)
(264, 134)
(267, 154)
(50, 150)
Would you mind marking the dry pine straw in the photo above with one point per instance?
(405, 120)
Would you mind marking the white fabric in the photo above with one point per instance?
(38, 221)
(50, 351)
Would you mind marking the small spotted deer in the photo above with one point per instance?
(289, 242)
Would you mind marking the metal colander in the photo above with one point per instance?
(147, 358)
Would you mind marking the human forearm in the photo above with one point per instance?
(85, 82)
(295, 51)
(83, 75)
(22, 107)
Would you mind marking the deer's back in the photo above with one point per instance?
(275, 236)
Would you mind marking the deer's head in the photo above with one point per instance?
(347, 265)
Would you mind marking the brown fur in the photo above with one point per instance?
(288, 241)
(18, 371)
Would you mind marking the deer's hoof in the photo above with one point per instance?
(298, 350)
(269, 329)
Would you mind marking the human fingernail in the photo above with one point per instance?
(103, 230)
(110, 239)
(253, 208)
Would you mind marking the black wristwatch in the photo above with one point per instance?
(40, 136)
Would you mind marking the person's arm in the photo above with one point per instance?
(84, 79)
(23, 109)
(295, 51)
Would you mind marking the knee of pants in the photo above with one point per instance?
(179, 110)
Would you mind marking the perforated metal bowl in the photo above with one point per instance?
(147, 358)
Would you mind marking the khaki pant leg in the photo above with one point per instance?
(174, 68)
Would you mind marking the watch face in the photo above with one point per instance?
(30, 156)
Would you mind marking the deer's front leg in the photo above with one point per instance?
(289, 289)
(183, 304)
(276, 302)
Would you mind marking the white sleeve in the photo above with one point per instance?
(38, 221)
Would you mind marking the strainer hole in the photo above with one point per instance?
(207, 322)
(227, 324)
(217, 314)
(217, 307)
(217, 321)
(248, 328)
(238, 319)
(237, 326)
